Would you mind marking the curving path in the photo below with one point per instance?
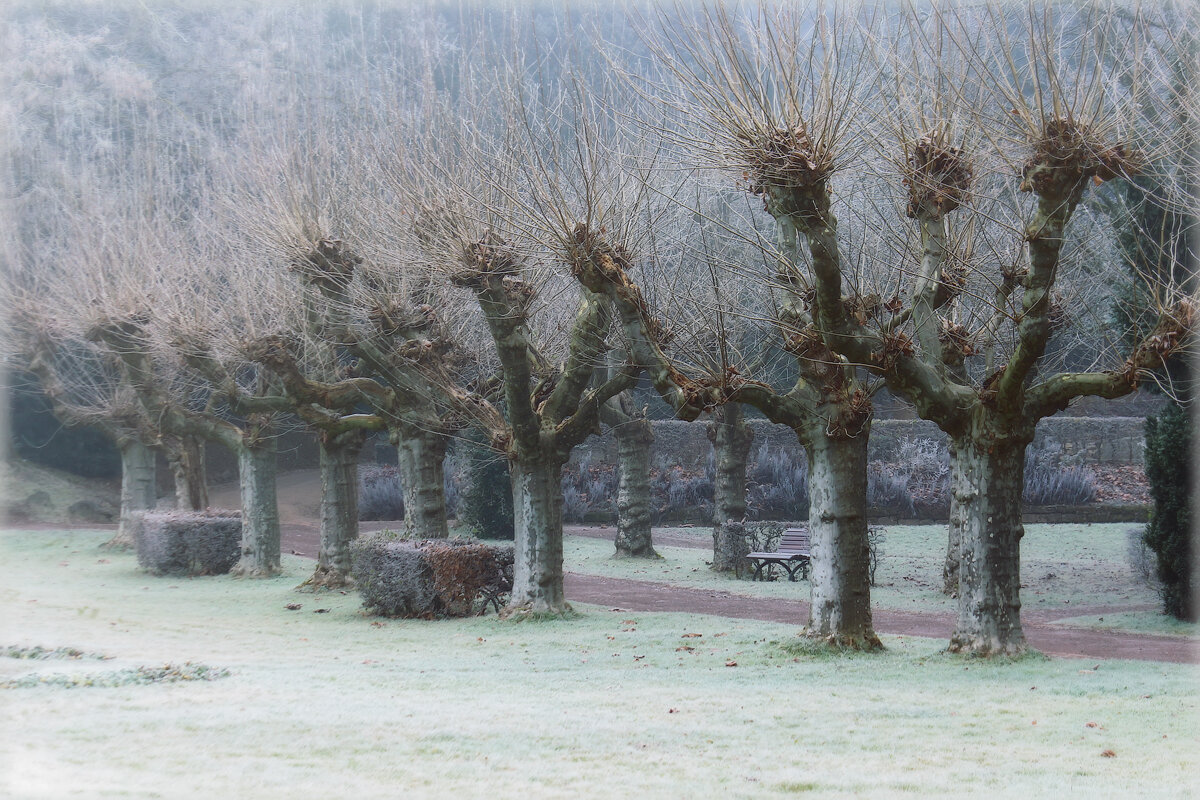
(630, 595)
(302, 539)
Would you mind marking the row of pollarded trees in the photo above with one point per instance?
(945, 282)
(516, 266)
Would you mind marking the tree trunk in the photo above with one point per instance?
(138, 488)
(731, 437)
(190, 473)
(954, 528)
(422, 455)
(841, 569)
(989, 496)
(634, 438)
(537, 513)
(260, 511)
(339, 513)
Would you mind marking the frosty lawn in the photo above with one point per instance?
(611, 704)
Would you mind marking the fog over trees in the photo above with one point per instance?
(524, 223)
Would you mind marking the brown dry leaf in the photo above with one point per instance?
(292, 606)
(691, 635)
(1093, 725)
(1108, 754)
(684, 648)
(731, 663)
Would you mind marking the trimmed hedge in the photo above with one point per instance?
(188, 543)
(429, 578)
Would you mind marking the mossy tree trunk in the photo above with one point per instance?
(138, 488)
(956, 524)
(840, 572)
(339, 509)
(731, 437)
(260, 510)
(186, 456)
(634, 436)
(422, 456)
(989, 496)
(537, 514)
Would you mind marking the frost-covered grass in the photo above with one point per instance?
(1135, 621)
(609, 704)
(1061, 566)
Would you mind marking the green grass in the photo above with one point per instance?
(604, 705)
(1061, 566)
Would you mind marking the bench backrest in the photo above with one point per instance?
(794, 540)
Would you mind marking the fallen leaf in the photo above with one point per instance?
(684, 648)
(321, 611)
(1108, 754)
(672, 710)
(731, 663)
(292, 606)
(1093, 725)
(691, 635)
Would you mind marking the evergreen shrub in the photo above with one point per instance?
(485, 505)
(187, 543)
(1169, 534)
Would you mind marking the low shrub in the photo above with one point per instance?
(430, 578)
(1048, 482)
(465, 571)
(393, 576)
(777, 484)
(1141, 558)
(380, 492)
(187, 543)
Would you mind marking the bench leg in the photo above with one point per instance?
(758, 568)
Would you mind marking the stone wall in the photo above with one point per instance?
(1083, 440)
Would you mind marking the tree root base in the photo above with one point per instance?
(119, 543)
(538, 612)
(249, 571)
(326, 579)
(865, 642)
(651, 553)
(984, 647)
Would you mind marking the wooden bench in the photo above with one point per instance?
(793, 553)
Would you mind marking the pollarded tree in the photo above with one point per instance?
(499, 222)
(145, 303)
(750, 125)
(1048, 93)
(84, 388)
